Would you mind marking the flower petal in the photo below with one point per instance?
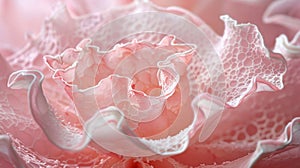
(285, 13)
(290, 137)
(103, 128)
(289, 50)
(43, 114)
(247, 62)
(112, 34)
(261, 116)
(212, 68)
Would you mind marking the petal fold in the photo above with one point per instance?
(290, 50)
(247, 62)
(289, 138)
(285, 13)
(43, 113)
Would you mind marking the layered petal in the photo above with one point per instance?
(242, 11)
(285, 13)
(43, 114)
(261, 116)
(143, 66)
(290, 50)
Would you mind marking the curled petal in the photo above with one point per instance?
(247, 66)
(84, 66)
(64, 64)
(103, 128)
(290, 137)
(42, 112)
(285, 13)
(107, 126)
(136, 105)
(212, 79)
(289, 50)
(69, 139)
(279, 152)
(89, 101)
(261, 116)
(247, 62)
(110, 34)
(108, 129)
(207, 109)
(88, 69)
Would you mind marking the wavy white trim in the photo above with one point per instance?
(286, 138)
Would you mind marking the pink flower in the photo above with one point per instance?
(146, 86)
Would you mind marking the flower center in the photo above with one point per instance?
(146, 81)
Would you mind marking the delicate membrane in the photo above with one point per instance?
(179, 31)
(213, 79)
(85, 99)
(111, 35)
(132, 58)
(290, 136)
(60, 135)
(102, 127)
(262, 116)
(288, 49)
(248, 65)
(136, 105)
(284, 13)
(247, 62)
(42, 112)
(181, 28)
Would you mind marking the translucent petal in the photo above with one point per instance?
(289, 50)
(290, 137)
(42, 112)
(284, 13)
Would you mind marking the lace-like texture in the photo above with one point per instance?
(267, 115)
(193, 73)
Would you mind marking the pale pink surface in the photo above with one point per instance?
(218, 145)
(272, 17)
(16, 19)
(19, 20)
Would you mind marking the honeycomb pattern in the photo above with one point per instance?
(247, 61)
(52, 41)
